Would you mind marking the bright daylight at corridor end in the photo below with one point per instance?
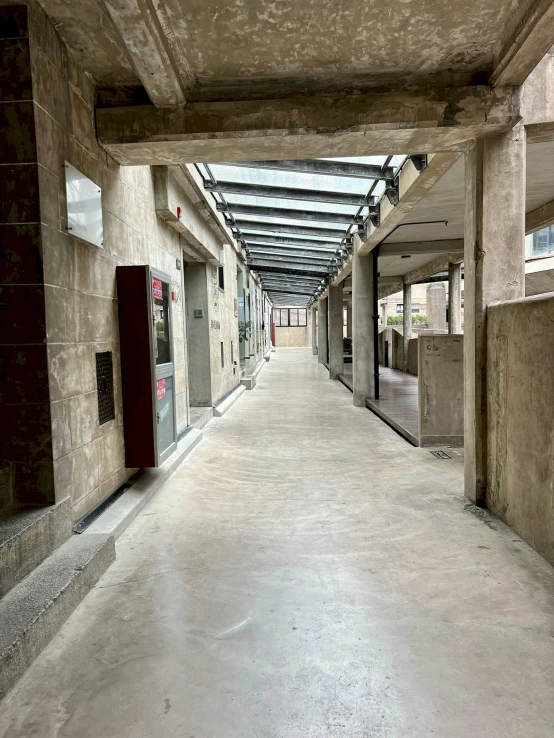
(276, 369)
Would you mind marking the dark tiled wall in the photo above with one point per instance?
(26, 462)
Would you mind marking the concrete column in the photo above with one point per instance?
(314, 330)
(322, 345)
(455, 298)
(349, 319)
(362, 327)
(494, 270)
(336, 343)
(384, 313)
(407, 321)
(436, 307)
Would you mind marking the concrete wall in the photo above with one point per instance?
(413, 351)
(292, 337)
(62, 291)
(520, 458)
(441, 390)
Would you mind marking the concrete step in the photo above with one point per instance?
(228, 401)
(28, 535)
(34, 610)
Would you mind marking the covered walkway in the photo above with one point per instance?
(304, 574)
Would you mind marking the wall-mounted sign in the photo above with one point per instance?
(84, 207)
(160, 389)
(157, 290)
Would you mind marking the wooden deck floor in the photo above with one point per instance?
(398, 401)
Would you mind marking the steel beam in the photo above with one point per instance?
(318, 166)
(316, 249)
(252, 225)
(289, 292)
(286, 193)
(288, 240)
(313, 215)
(298, 269)
(287, 260)
(290, 253)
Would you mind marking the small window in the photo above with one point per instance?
(232, 353)
(221, 277)
(303, 317)
(293, 316)
(222, 355)
(104, 386)
(399, 307)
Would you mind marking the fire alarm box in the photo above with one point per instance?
(147, 371)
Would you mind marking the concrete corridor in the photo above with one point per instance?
(305, 574)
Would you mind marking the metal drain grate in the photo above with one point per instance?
(440, 454)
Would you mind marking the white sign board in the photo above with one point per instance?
(84, 207)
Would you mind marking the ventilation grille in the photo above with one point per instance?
(104, 385)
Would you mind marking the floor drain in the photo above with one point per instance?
(440, 454)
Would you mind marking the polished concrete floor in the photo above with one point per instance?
(305, 574)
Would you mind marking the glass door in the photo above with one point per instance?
(162, 345)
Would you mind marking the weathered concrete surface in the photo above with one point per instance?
(28, 536)
(436, 307)
(336, 339)
(322, 331)
(520, 468)
(313, 596)
(413, 356)
(347, 125)
(313, 318)
(455, 298)
(33, 611)
(363, 381)
(494, 270)
(413, 185)
(441, 390)
(407, 323)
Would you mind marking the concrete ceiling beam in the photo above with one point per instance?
(310, 215)
(440, 264)
(528, 39)
(421, 247)
(310, 127)
(289, 292)
(413, 185)
(540, 217)
(146, 31)
(317, 166)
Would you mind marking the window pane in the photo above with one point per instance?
(284, 317)
(160, 302)
(293, 313)
(302, 317)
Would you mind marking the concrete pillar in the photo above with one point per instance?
(349, 319)
(362, 327)
(494, 264)
(314, 330)
(455, 298)
(436, 307)
(407, 321)
(336, 342)
(322, 345)
(384, 313)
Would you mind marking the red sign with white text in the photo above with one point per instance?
(160, 389)
(157, 290)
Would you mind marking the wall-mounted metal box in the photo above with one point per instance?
(147, 372)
